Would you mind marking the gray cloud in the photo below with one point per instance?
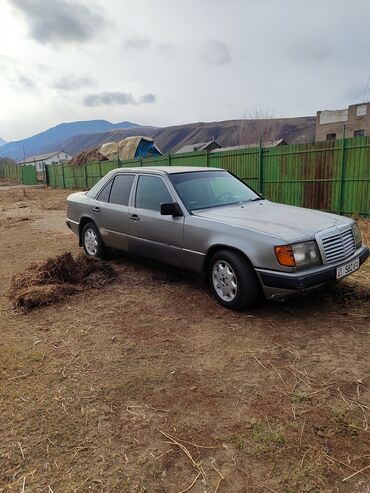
(58, 21)
(216, 53)
(166, 48)
(109, 99)
(26, 83)
(70, 82)
(147, 98)
(19, 81)
(136, 44)
(309, 50)
(116, 99)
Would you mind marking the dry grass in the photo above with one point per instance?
(365, 229)
(40, 198)
(50, 281)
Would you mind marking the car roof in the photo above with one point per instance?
(159, 170)
(169, 170)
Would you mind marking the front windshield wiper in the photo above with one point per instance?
(250, 200)
(226, 204)
(214, 205)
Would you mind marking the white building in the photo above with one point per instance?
(39, 161)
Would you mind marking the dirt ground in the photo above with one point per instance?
(148, 385)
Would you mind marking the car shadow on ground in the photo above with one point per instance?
(340, 295)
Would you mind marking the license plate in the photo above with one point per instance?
(346, 269)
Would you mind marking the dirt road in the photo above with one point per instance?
(149, 386)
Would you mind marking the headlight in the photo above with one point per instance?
(298, 254)
(357, 235)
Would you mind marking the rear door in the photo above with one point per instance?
(111, 211)
(153, 235)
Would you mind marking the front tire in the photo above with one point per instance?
(233, 282)
(91, 241)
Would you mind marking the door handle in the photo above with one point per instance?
(96, 209)
(134, 217)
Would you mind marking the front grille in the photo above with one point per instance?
(339, 247)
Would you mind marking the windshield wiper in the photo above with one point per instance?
(250, 200)
(215, 205)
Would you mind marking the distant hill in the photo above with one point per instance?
(237, 132)
(2, 142)
(79, 136)
(51, 139)
(227, 133)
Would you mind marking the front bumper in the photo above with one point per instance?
(283, 284)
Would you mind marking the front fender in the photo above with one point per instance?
(202, 235)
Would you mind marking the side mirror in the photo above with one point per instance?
(171, 209)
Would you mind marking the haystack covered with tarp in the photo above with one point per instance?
(128, 148)
(86, 156)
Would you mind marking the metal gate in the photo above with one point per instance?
(29, 176)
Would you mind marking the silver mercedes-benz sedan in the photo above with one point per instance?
(208, 221)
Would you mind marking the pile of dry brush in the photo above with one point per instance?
(50, 281)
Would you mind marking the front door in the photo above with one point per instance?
(153, 235)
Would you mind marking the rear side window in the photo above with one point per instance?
(104, 194)
(121, 189)
(151, 193)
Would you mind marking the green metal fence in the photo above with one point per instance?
(331, 176)
(10, 172)
(23, 174)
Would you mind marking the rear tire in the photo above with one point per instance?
(91, 241)
(233, 281)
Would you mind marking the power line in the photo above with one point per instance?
(367, 90)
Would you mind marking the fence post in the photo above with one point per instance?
(74, 177)
(100, 176)
(260, 163)
(207, 164)
(46, 180)
(169, 159)
(85, 175)
(64, 183)
(141, 161)
(342, 171)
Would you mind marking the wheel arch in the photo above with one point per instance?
(215, 248)
(83, 221)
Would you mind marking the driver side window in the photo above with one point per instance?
(151, 192)
(195, 193)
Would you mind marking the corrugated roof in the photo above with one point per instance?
(41, 157)
(270, 143)
(200, 146)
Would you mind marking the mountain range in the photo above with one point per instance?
(2, 142)
(75, 137)
(52, 139)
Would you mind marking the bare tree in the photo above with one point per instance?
(7, 161)
(258, 125)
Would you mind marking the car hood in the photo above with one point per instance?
(285, 222)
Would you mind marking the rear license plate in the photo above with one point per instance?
(346, 269)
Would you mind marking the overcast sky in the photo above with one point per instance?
(164, 62)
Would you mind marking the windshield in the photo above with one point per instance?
(204, 189)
